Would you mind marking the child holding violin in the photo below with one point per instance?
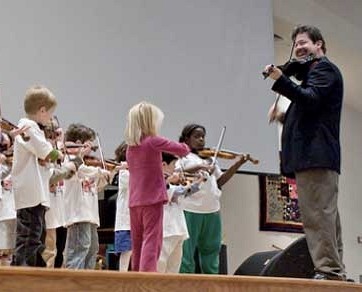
(81, 204)
(202, 209)
(174, 223)
(7, 217)
(57, 173)
(30, 186)
(122, 228)
(147, 186)
(7, 205)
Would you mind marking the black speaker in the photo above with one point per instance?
(254, 264)
(292, 262)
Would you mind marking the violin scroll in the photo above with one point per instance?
(12, 130)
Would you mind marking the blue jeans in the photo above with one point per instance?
(81, 246)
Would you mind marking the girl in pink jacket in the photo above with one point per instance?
(147, 187)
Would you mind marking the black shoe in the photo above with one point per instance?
(324, 276)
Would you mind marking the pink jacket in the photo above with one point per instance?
(146, 180)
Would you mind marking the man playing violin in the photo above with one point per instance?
(311, 147)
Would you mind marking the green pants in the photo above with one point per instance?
(205, 235)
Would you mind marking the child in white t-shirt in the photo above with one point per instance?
(174, 223)
(56, 172)
(29, 186)
(7, 204)
(122, 227)
(54, 215)
(81, 205)
(7, 218)
(202, 210)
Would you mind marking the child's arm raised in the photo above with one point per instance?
(166, 145)
(227, 175)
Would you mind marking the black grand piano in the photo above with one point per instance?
(107, 214)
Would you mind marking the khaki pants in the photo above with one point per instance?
(318, 195)
(50, 251)
(171, 254)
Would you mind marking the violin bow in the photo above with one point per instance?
(55, 118)
(64, 144)
(278, 95)
(102, 157)
(100, 151)
(218, 147)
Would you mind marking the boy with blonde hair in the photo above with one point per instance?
(30, 186)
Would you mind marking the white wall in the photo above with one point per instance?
(240, 206)
(199, 61)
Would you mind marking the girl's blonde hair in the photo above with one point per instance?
(144, 119)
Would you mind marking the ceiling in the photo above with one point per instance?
(340, 22)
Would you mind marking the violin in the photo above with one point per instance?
(8, 127)
(95, 161)
(296, 67)
(183, 178)
(224, 154)
(71, 145)
(51, 134)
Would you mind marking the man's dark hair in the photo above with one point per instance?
(168, 158)
(313, 32)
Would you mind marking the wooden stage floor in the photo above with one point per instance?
(38, 279)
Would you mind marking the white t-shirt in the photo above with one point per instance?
(174, 222)
(122, 209)
(54, 216)
(29, 186)
(81, 196)
(207, 200)
(7, 204)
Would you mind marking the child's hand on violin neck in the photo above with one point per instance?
(86, 149)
